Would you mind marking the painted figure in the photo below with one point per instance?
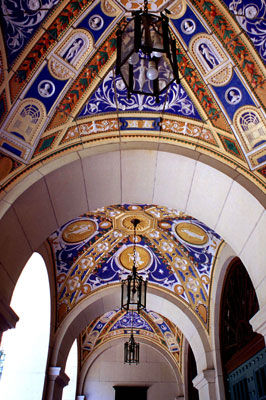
(73, 50)
(208, 55)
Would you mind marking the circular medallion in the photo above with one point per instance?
(179, 289)
(78, 231)
(143, 258)
(96, 22)
(191, 233)
(251, 11)
(233, 95)
(141, 227)
(46, 88)
(188, 26)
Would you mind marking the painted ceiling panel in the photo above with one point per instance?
(251, 17)
(106, 99)
(20, 20)
(175, 251)
(117, 324)
(65, 53)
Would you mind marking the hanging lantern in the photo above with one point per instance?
(134, 287)
(146, 54)
(131, 351)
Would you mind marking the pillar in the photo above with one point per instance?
(205, 383)
(57, 380)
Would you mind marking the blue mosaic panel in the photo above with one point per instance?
(137, 321)
(251, 17)
(20, 20)
(233, 95)
(130, 123)
(105, 100)
(96, 22)
(46, 88)
(188, 26)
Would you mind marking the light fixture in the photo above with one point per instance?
(146, 54)
(131, 348)
(134, 287)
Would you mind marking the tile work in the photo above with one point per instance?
(175, 252)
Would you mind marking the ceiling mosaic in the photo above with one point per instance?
(58, 89)
(174, 251)
(117, 324)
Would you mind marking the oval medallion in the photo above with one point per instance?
(78, 231)
(191, 233)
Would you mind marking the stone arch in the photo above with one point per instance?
(47, 198)
(108, 299)
(107, 345)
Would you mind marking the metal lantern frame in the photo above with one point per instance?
(134, 287)
(146, 54)
(131, 351)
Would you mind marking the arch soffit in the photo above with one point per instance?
(169, 163)
(106, 346)
(109, 298)
(21, 182)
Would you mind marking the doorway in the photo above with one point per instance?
(131, 392)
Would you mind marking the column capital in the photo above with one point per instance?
(205, 377)
(56, 373)
(8, 318)
(258, 322)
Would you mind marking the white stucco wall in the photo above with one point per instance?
(109, 370)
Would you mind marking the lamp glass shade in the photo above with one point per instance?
(146, 40)
(133, 293)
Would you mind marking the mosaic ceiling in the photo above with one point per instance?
(58, 90)
(174, 251)
(117, 324)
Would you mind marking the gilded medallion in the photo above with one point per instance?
(143, 258)
(78, 231)
(191, 233)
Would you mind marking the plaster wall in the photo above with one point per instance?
(109, 370)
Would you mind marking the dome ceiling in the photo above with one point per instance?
(175, 251)
(59, 94)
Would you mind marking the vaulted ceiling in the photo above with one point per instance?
(59, 92)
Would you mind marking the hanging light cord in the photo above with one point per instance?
(146, 6)
(135, 222)
(132, 323)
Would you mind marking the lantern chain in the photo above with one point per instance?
(146, 6)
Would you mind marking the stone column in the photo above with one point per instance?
(57, 380)
(258, 322)
(205, 383)
(8, 318)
